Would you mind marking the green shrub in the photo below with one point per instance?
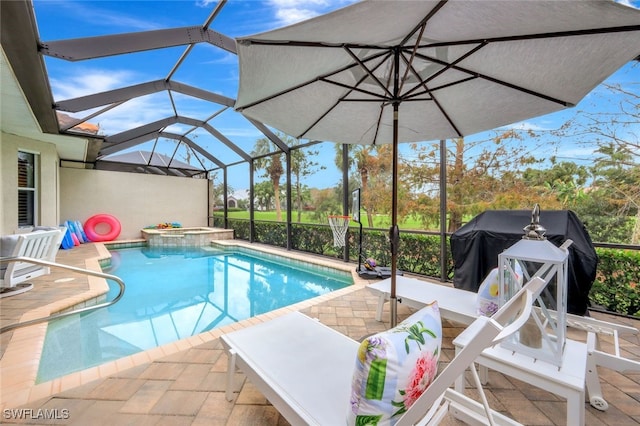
(616, 288)
(273, 233)
(312, 239)
(241, 228)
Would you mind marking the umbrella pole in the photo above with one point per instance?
(394, 232)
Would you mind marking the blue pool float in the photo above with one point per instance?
(67, 241)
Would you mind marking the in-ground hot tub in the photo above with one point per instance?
(185, 237)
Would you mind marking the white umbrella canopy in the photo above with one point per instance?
(442, 69)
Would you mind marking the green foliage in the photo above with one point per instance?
(319, 216)
(375, 244)
(241, 228)
(616, 287)
(420, 254)
(273, 233)
(312, 239)
(217, 221)
(603, 221)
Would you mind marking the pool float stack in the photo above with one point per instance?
(78, 234)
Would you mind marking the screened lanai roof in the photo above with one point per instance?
(188, 132)
(183, 135)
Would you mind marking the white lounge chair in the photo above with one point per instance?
(460, 306)
(38, 244)
(305, 368)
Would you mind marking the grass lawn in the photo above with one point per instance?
(379, 221)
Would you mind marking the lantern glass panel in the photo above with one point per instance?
(543, 337)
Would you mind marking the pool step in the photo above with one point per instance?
(214, 250)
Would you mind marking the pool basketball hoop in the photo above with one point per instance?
(339, 226)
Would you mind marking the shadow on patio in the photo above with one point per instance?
(185, 384)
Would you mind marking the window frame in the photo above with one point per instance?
(31, 206)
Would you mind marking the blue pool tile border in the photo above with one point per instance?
(278, 258)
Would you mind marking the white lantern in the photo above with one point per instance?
(544, 336)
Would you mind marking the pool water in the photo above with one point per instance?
(174, 294)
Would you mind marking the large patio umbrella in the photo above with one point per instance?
(380, 72)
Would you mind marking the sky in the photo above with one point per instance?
(216, 70)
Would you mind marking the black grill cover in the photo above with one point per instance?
(476, 245)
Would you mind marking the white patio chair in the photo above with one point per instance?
(305, 368)
(39, 244)
(460, 306)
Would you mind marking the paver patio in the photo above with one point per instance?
(184, 383)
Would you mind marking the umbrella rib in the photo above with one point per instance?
(421, 28)
(569, 33)
(446, 67)
(498, 81)
(446, 116)
(430, 91)
(423, 21)
(484, 42)
(298, 43)
(409, 62)
(383, 105)
(368, 71)
(305, 83)
(351, 89)
(357, 89)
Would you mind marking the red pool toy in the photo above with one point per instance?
(111, 221)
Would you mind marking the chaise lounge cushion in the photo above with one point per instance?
(394, 368)
(7, 246)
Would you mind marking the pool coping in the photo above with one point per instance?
(197, 236)
(21, 370)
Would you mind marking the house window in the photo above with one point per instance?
(27, 188)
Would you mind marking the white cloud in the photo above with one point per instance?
(527, 125)
(289, 12)
(629, 3)
(88, 81)
(241, 132)
(568, 151)
(135, 113)
(99, 17)
(205, 3)
(220, 57)
(131, 114)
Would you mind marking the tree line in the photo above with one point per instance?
(511, 169)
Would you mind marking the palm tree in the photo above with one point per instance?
(301, 166)
(365, 160)
(269, 159)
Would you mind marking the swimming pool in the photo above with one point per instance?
(175, 293)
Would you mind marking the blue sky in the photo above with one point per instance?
(212, 68)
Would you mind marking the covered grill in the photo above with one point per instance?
(476, 245)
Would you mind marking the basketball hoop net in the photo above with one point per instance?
(339, 226)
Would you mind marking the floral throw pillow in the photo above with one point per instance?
(394, 368)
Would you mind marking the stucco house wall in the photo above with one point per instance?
(136, 200)
(47, 209)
